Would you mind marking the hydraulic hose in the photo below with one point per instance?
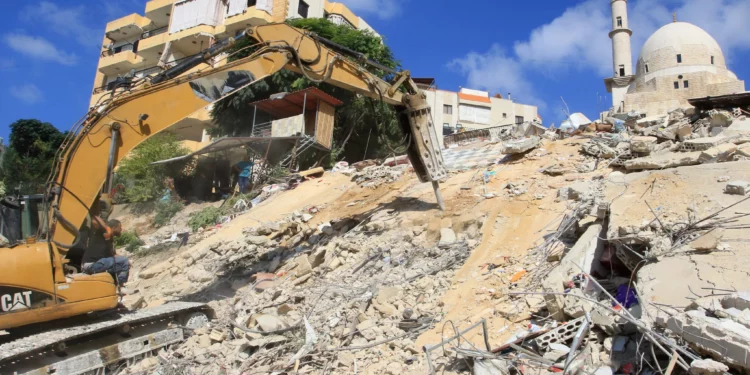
(69, 226)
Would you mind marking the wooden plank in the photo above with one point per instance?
(324, 127)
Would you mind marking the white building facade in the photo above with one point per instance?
(473, 109)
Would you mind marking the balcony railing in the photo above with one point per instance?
(154, 32)
(125, 47)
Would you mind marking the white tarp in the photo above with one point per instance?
(574, 121)
(475, 114)
(236, 7)
(266, 5)
(191, 13)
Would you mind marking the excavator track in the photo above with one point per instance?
(101, 344)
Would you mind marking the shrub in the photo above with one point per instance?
(129, 240)
(165, 211)
(146, 181)
(206, 217)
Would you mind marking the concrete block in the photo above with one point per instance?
(520, 146)
(643, 145)
(447, 237)
(717, 154)
(559, 335)
(737, 188)
(722, 339)
(662, 161)
(702, 144)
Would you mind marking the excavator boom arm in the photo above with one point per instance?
(112, 129)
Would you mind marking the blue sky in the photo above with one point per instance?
(537, 50)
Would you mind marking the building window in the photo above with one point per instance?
(622, 70)
(646, 68)
(252, 3)
(519, 120)
(619, 21)
(676, 85)
(505, 115)
(712, 60)
(685, 84)
(447, 109)
(302, 9)
(679, 58)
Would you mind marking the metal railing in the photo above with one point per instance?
(262, 130)
(150, 33)
(125, 47)
(474, 135)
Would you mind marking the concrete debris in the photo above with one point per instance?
(664, 161)
(377, 272)
(374, 176)
(707, 367)
(642, 145)
(717, 154)
(519, 146)
(738, 188)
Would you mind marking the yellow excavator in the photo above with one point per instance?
(38, 287)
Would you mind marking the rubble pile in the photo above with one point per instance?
(683, 137)
(313, 297)
(599, 292)
(374, 176)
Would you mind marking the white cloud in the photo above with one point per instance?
(27, 93)
(495, 71)
(384, 9)
(68, 22)
(578, 40)
(39, 48)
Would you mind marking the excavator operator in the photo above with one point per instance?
(100, 255)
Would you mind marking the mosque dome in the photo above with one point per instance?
(693, 45)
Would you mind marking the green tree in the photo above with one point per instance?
(357, 120)
(27, 162)
(144, 181)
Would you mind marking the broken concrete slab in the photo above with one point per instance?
(585, 253)
(520, 146)
(642, 145)
(662, 161)
(579, 191)
(447, 237)
(702, 144)
(269, 323)
(707, 367)
(303, 266)
(717, 154)
(722, 339)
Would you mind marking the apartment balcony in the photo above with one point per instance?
(158, 11)
(152, 43)
(343, 11)
(195, 39)
(128, 27)
(251, 17)
(120, 63)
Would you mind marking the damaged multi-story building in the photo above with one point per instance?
(171, 30)
(680, 61)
